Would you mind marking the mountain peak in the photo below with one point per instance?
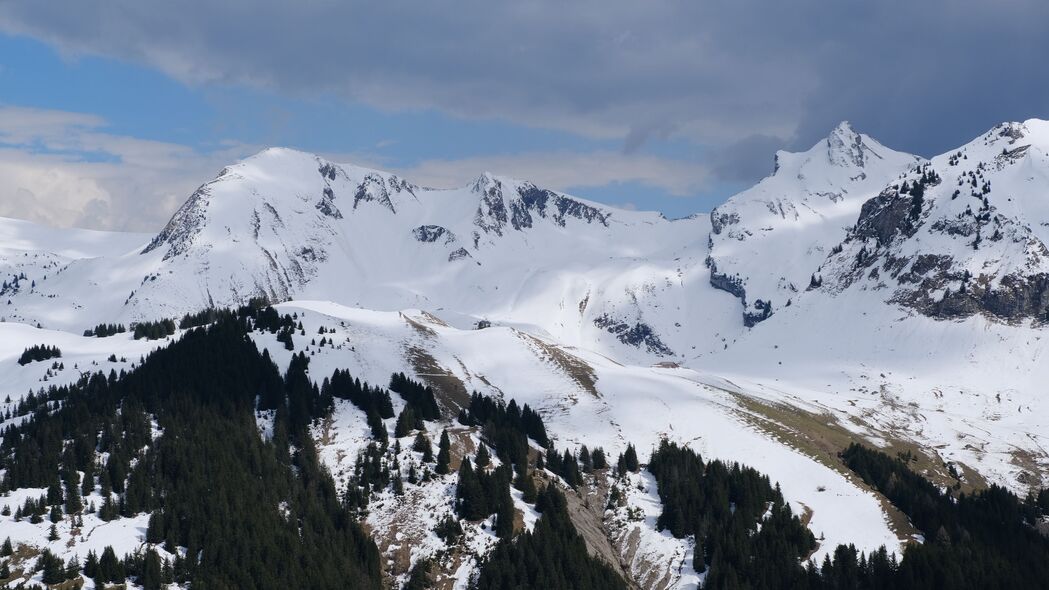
(846, 147)
(844, 129)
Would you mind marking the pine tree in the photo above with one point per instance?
(504, 520)
(444, 454)
(91, 565)
(72, 568)
(73, 502)
(87, 484)
(628, 460)
(378, 429)
(422, 445)
(406, 422)
(6, 549)
(570, 470)
(585, 459)
(53, 570)
(54, 492)
(598, 458)
(483, 457)
(154, 529)
(109, 567)
(151, 578)
(526, 484)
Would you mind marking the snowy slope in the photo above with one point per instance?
(585, 398)
(929, 323)
(286, 224)
(588, 399)
(41, 254)
(768, 240)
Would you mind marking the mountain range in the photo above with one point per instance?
(856, 293)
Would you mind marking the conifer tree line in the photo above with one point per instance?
(746, 536)
(553, 556)
(105, 330)
(986, 539)
(213, 486)
(419, 397)
(494, 414)
(153, 330)
(39, 352)
(723, 506)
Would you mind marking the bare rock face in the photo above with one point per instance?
(955, 237)
(638, 334)
(545, 203)
(520, 206)
(185, 224)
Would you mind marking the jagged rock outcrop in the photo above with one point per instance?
(954, 237)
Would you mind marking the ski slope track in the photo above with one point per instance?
(898, 300)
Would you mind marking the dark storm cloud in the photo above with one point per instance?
(745, 160)
(921, 76)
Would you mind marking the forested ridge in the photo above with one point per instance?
(230, 500)
(177, 438)
(986, 539)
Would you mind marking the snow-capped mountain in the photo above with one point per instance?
(886, 298)
(286, 224)
(963, 234)
(767, 241)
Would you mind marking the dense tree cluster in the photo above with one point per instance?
(105, 330)
(417, 395)
(153, 330)
(202, 318)
(553, 556)
(407, 422)
(750, 539)
(744, 530)
(371, 400)
(485, 411)
(507, 428)
(986, 539)
(481, 493)
(565, 465)
(247, 513)
(627, 461)
(39, 352)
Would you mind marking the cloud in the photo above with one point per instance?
(747, 159)
(563, 170)
(921, 76)
(63, 169)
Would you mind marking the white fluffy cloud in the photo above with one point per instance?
(63, 169)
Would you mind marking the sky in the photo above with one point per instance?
(112, 113)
